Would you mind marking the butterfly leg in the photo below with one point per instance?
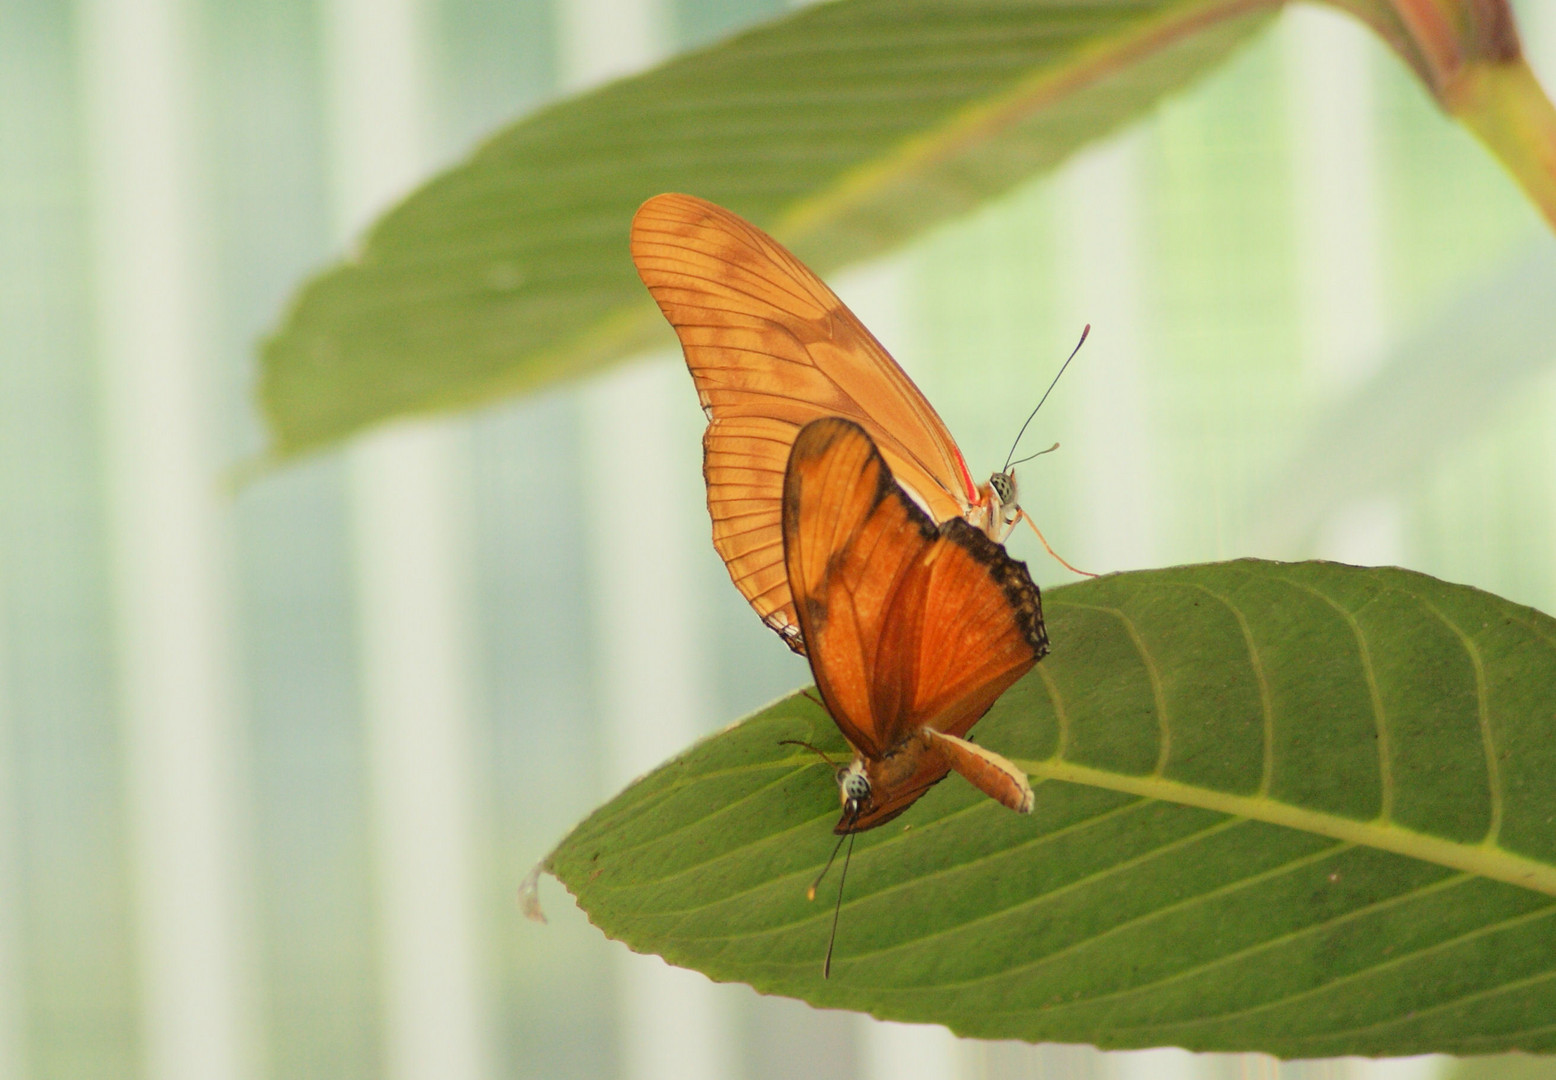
(985, 770)
(1059, 558)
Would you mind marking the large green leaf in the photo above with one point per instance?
(844, 128)
(1302, 808)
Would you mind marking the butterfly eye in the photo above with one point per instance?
(853, 787)
(1004, 485)
(856, 786)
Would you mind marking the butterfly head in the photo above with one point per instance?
(1003, 499)
(853, 786)
(1003, 484)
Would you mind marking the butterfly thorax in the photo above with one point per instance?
(898, 764)
(865, 777)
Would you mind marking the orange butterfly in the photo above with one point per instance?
(914, 629)
(771, 348)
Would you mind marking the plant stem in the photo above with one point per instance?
(1504, 105)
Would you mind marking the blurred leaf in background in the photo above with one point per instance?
(844, 130)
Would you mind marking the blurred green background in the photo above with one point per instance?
(274, 762)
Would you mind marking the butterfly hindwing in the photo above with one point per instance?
(772, 348)
(965, 622)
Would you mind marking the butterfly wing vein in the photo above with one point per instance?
(771, 348)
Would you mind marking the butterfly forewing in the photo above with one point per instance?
(909, 625)
(772, 348)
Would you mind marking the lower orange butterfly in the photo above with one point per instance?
(913, 629)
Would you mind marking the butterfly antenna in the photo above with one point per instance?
(810, 893)
(1044, 398)
(1029, 457)
(826, 967)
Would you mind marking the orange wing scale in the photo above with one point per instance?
(770, 349)
(909, 625)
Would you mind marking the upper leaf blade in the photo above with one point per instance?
(1306, 809)
(842, 129)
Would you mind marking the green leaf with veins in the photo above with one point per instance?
(1304, 808)
(844, 129)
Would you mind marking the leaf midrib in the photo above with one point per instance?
(1485, 858)
(1000, 110)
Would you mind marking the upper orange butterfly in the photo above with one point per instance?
(771, 348)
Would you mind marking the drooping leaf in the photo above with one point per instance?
(844, 128)
(1304, 808)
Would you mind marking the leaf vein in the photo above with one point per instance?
(1451, 881)
(1034, 901)
(1355, 976)
(902, 837)
(1416, 1014)
(1483, 712)
(1158, 695)
(1379, 718)
(1266, 703)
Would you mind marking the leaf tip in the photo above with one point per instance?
(529, 893)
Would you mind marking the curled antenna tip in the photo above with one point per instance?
(1022, 461)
